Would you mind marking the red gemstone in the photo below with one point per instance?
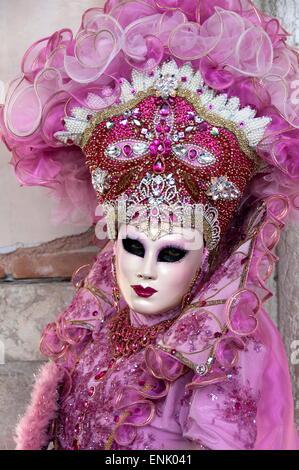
(159, 166)
(153, 149)
(156, 141)
(116, 419)
(173, 351)
(238, 405)
(217, 334)
(91, 391)
(166, 128)
(89, 117)
(164, 111)
(192, 154)
(202, 303)
(69, 141)
(77, 428)
(158, 128)
(127, 149)
(75, 445)
(161, 136)
(203, 126)
(141, 382)
(244, 260)
(184, 79)
(111, 363)
(95, 313)
(167, 142)
(100, 375)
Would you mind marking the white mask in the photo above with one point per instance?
(167, 265)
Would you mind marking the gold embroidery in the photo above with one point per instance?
(111, 437)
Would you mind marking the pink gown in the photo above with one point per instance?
(158, 397)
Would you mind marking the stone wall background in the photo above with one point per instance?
(30, 297)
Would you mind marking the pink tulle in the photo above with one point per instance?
(59, 71)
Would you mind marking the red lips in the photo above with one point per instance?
(144, 291)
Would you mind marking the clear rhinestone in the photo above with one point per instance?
(113, 151)
(127, 113)
(98, 179)
(198, 119)
(149, 135)
(124, 122)
(156, 192)
(223, 189)
(215, 131)
(179, 150)
(110, 124)
(175, 137)
(140, 148)
(137, 122)
(170, 179)
(181, 135)
(201, 369)
(189, 128)
(166, 85)
(206, 157)
(213, 396)
(158, 179)
(210, 360)
(144, 131)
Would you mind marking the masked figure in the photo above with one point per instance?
(188, 148)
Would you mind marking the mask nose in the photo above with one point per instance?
(144, 276)
(148, 269)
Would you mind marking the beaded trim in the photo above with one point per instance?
(126, 339)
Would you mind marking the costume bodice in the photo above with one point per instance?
(89, 416)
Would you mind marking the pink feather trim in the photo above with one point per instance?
(32, 431)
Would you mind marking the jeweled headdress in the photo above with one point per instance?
(147, 102)
(171, 149)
